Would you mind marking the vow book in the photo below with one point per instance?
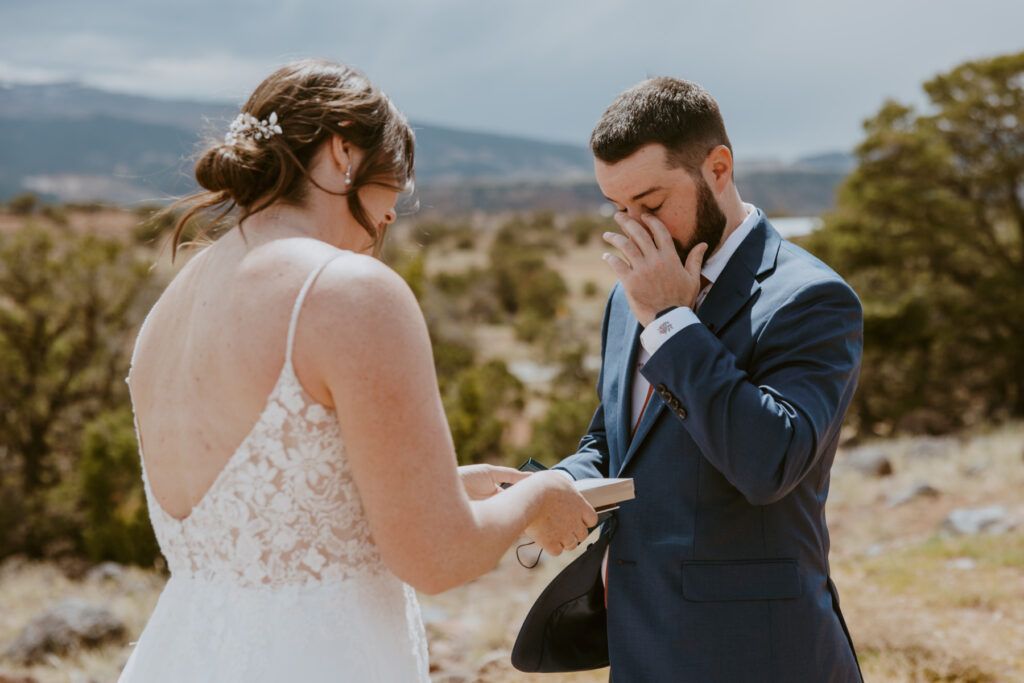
(603, 493)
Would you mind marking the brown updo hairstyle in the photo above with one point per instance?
(313, 99)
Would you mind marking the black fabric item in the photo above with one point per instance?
(566, 629)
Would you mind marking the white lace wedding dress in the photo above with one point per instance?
(274, 573)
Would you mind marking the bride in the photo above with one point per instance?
(300, 475)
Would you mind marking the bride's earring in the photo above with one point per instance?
(348, 175)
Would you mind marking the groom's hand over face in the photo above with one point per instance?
(650, 271)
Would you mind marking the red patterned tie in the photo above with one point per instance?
(650, 390)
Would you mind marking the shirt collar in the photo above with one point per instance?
(714, 266)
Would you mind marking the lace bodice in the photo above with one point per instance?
(285, 509)
(274, 573)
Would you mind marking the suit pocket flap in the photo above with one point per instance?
(741, 580)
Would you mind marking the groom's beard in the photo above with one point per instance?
(710, 223)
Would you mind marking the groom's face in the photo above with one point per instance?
(645, 182)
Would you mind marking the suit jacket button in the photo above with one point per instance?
(663, 391)
(681, 412)
(673, 403)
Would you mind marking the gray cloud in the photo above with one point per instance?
(792, 76)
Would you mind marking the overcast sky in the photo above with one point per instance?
(792, 76)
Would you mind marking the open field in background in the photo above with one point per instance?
(922, 604)
(927, 532)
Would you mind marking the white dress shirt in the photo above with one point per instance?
(669, 324)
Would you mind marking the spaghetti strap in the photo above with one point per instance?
(298, 307)
(275, 575)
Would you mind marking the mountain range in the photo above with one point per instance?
(72, 143)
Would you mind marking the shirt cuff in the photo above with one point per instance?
(662, 329)
(564, 471)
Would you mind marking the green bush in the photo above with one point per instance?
(23, 204)
(524, 282)
(454, 284)
(67, 313)
(536, 232)
(475, 404)
(413, 270)
(558, 433)
(451, 357)
(529, 327)
(429, 232)
(465, 240)
(116, 519)
(583, 228)
(929, 231)
(57, 214)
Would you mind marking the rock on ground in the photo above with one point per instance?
(925, 447)
(867, 460)
(991, 518)
(106, 571)
(69, 624)
(919, 490)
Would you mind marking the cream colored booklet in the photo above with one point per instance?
(604, 494)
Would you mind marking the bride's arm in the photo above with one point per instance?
(364, 336)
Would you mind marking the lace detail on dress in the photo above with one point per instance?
(274, 573)
(285, 508)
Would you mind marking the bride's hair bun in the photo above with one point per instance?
(240, 171)
(267, 152)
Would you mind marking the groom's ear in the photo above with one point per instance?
(717, 168)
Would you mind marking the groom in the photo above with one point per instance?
(729, 357)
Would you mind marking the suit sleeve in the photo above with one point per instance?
(591, 457)
(765, 428)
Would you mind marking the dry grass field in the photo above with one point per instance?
(922, 604)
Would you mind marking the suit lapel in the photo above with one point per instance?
(630, 341)
(739, 281)
(650, 416)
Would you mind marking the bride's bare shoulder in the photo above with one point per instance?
(359, 302)
(358, 286)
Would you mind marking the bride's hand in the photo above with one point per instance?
(483, 481)
(565, 518)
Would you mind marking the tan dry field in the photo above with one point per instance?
(922, 605)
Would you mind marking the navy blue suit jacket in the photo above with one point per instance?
(718, 571)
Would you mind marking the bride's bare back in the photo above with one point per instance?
(208, 356)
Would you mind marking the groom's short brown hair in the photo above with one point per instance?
(680, 115)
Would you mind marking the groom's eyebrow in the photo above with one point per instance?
(638, 196)
(646, 192)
